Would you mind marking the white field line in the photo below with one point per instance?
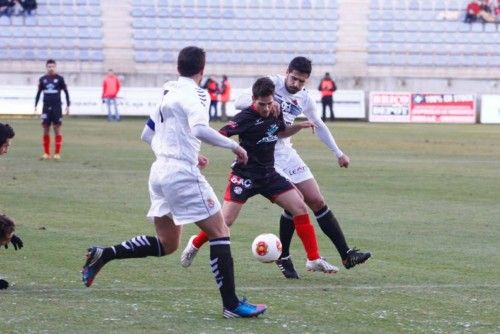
(436, 286)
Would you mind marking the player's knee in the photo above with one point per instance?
(316, 203)
(169, 246)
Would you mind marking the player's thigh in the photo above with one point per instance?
(168, 233)
(231, 211)
(291, 201)
(312, 194)
(214, 226)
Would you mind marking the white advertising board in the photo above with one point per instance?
(490, 109)
(389, 107)
(136, 101)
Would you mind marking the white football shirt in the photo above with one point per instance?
(184, 106)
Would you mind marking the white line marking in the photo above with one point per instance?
(18, 289)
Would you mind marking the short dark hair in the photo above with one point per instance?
(7, 226)
(6, 132)
(263, 87)
(50, 61)
(191, 61)
(300, 64)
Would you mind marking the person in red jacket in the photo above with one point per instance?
(225, 95)
(110, 89)
(213, 89)
(327, 87)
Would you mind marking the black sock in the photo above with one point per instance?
(139, 246)
(3, 284)
(287, 228)
(221, 263)
(330, 226)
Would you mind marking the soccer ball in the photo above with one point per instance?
(266, 247)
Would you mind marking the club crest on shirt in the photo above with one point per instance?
(288, 106)
(210, 203)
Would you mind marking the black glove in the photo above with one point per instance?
(17, 242)
(3, 284)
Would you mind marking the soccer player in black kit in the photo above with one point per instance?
(51, 85)
(258, 131)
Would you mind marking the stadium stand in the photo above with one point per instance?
(429, 33)
(64, 30)
(244, 32)
(363, 41)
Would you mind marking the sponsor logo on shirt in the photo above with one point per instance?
(270, 135)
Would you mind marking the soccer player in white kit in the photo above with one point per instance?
(178, 191)
(294, 100)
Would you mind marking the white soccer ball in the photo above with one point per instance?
(266, 247)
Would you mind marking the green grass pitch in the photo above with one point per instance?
(424, 199)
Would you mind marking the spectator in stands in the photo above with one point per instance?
(7, 7)
(327, 87)
(213, 88)
(497, 10)
(475, 11)
(28, 6)
(110, 89)
(225, 95)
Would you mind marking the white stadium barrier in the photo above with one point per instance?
(490, 109)
(136, 101)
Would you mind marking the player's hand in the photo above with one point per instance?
(202, 161)
(16, 242)
(275, 109)
(67, 110)
(344, 161)
(306, 124)
(241, 154)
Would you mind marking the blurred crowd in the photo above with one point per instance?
(483, 11)
(17, 7)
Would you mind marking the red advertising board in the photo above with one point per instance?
(422, 107)
(443, 108)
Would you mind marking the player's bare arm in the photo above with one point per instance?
(296, 127)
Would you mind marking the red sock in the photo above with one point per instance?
(58, 143)
(46, 144)
(307, 235)
(200, 239)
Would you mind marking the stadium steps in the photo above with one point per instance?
(117, 32)
(351, 44)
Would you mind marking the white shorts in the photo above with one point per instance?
(178, 190)
(290, 165)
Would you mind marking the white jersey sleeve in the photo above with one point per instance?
(322, 130)
(197, 108)
(244, 100)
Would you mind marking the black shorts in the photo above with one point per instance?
(240, 189)
(52, 114)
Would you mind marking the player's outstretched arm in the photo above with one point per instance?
(294, 128)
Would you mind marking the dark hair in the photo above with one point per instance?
(191, 61)
(300, 64)
(263, 87)
(50, 61)
(7, 226)
(6, 132)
